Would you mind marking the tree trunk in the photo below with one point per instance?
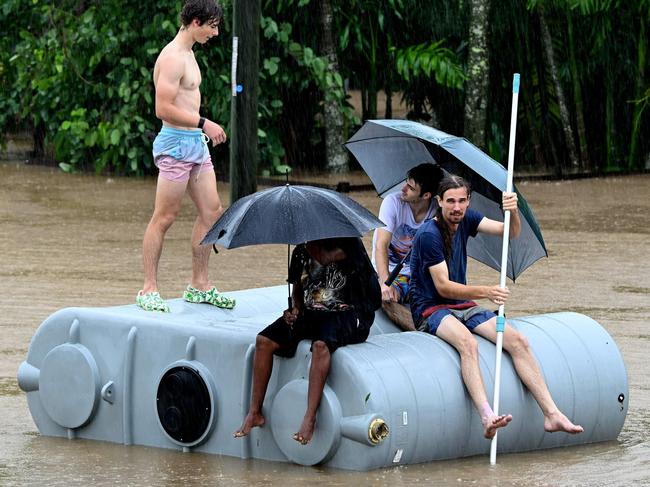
(561, 99)
(388, 80)
(337, 160)
(478, 71)
(364, 103)
(633, 161)
(38, 135)
(585, 163)
(529, 112)
(372, 71)
(388, 113)
(610, 126)
(371, 93)
(244, 152)
(523, 59)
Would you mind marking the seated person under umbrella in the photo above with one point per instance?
(335, 296)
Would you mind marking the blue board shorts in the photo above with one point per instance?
(179, 154)
(470, 317)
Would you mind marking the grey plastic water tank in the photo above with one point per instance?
(182, 380)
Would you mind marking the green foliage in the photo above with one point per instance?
(431, 60)
(295, 81)
(82, 71)
(84, 75)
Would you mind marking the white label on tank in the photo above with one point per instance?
(405, 418)
(398, 455)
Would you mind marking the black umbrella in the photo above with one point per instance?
(387, 149)
(290, 215)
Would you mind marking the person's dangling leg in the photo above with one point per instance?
(262, 368)
(279, 338)
(528, 371)
(458, 336)
(318, 372)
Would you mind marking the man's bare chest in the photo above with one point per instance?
(191, 78)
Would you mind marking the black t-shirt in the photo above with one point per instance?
(349, 283)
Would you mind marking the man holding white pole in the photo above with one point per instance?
(441, 301)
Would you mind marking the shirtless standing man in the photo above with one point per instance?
(181, 154)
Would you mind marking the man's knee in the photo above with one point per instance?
(399, 314)
(516, 343)
(456, 334)
(264, 344)
(468, 346)
(164, 219)
(319, 349)
(211, 214)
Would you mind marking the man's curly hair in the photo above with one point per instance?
(203, 10)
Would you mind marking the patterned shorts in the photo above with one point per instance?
(401, 284)
(180, 154)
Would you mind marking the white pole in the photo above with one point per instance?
(501, 320)
(233, 65)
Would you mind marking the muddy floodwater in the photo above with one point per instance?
(75, 240)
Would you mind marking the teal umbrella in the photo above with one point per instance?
(387, 149)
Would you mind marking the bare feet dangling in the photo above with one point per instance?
(559, 422)
(250, 421)
(493, 423)
(304, 435)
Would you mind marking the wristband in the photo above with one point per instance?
(201, 122)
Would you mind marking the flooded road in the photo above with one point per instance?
(75, 240)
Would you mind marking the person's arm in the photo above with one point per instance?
(168, 84)
(296, 267)
(453, 290)
(493, 227)
(297, 296)
(388, 213)
(388, 293)
(290, 315)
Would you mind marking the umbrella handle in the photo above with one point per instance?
(396, 270)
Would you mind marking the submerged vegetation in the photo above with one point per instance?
(77, 74)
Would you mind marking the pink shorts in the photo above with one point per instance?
(180, 171)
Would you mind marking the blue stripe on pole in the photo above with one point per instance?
(515, 83)
(501, 324)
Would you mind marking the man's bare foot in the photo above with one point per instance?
(250, 421)
(559, 422)
(303, 436)
(493, 423)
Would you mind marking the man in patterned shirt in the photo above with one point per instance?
(403, 213)
(335, 295)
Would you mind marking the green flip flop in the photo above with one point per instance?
(151, 302)
(211, 296)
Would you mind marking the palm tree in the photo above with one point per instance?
(334, 152)
(476, 85)
(549, 56)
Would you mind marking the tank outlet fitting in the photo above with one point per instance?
(368, 429)
(377, 431)
(28, 376)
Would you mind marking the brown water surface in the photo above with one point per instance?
(75, 240)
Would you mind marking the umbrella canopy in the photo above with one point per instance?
(387, 149)
(290, 215)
